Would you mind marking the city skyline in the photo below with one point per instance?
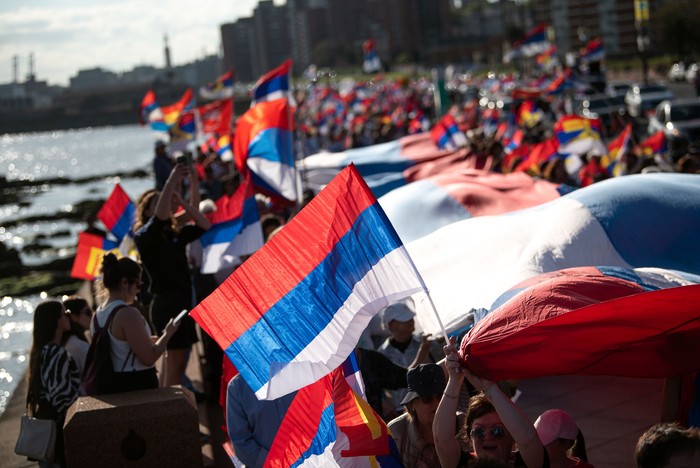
(115, 35)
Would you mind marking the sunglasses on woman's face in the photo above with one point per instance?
(480, 432)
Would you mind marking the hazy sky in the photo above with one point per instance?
(68, 35)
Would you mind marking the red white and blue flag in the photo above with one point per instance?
(371, 62)
(287, 323)
(593, 52)
(118, 213)
(273, 85)
(235, 230)
(328, 424)
(222, 88)
(263, 145)
(470, 263)
(591, 321)
(151, 113)
(447, 134)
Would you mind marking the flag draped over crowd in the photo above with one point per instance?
(468, 264)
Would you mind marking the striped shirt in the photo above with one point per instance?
(59, 377)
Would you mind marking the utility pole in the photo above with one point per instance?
(641, 22)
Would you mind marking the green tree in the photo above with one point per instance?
(678, 23)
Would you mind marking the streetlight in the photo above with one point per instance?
(641, 23)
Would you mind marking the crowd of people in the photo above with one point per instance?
(439, 412)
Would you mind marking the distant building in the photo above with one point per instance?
(577, 21)
(93, 78)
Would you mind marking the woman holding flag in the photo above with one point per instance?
(162, 247)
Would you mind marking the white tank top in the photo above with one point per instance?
(123, 360)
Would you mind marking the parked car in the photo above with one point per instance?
(642, 98)
(609, 109)
(680, 121)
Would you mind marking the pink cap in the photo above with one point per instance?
(555, 424)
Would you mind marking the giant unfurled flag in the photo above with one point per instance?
(617, 149)
(263, 145)
(655, 144)
(295, 310)
(470, 263)
(235, 230)
(88, 256)
(171, 113)
(579, 135)
(371, 62)
(118, 213)
(273, 85)
(447, 135)
(151, 113)
(422, 207)
(593, 52)
(591, 321)
(384, 166)
(222, 88)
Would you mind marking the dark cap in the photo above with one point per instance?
(160, 144)
(693, 148)
(424, 380)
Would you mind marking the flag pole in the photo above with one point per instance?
(290, 121)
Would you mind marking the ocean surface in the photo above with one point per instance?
(73, 154)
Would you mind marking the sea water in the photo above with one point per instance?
(73, 154)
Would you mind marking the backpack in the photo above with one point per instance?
(99, 373)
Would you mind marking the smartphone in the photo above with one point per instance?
(180, 316)
(184, 158)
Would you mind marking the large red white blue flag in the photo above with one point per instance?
(422, 207)
(263, 145)
(295, 310)
(384, 167)
(635, 221)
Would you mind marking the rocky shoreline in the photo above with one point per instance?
(53, 277)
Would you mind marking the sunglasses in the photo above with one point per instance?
(428, 399)
(480, 433)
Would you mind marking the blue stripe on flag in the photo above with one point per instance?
(298, 317)
(278, 83)
(273, 144)
(125, 222)
(627, 275)
(324, 436)
(222, 232)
